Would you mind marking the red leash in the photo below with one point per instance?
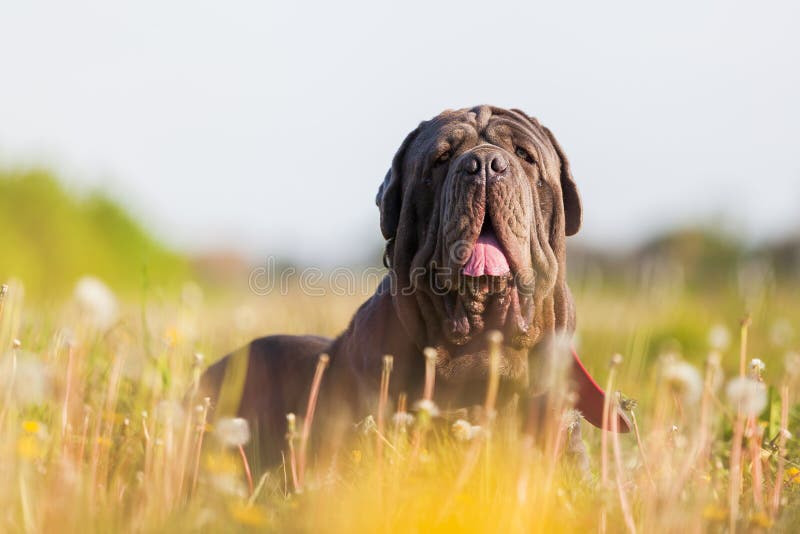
(591, 397)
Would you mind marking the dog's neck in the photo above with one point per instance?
(377, 330)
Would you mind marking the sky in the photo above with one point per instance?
(266, 127)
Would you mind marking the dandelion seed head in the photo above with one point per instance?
(571, 419)
(683, 379)
(781, 333)
(757, 367)
(96, 301)
(367, 425)
(32, 383)
(747, 395)
(430, 354)
(232, 431)
(719, 337)
(427, 407)
(464, 431)
(403, 419)
(628, 404)
(169, 412)
(791, 362)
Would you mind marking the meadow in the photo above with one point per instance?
(97, 435)
(101, 429)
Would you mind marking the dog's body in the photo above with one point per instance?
(475, 211)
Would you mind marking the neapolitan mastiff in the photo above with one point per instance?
(475, 211)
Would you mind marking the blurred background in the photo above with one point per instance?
(157, 143)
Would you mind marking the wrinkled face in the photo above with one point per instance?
(476, 210)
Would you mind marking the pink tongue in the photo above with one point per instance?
(487, 257)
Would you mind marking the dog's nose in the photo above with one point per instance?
(497, 165)
(488, 165)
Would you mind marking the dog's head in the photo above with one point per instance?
(475, 210)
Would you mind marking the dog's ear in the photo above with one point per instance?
(390, 193)
(573, 213)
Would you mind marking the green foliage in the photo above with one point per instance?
(50, 237)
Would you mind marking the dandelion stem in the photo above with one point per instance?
(201, 430)
(309, 419)
(290, 436)
(745, 325)
(615, 360)
(757, 434)
(246, 469)
(640, 446)
(430, 378)
(3, 292)
(430, 372)
(735, 471)
(623, 499)
(67, 392)
(383, 400)
(259, 487)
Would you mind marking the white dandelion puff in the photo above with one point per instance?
(232, 431)
(757, 367)
(571, 419)
(719, 337)
(683, 379)
(747, 395)
(781, 333)
(791, 363)
(403, 419)
(32, 384)
(427, 407)
(170, 413)
(96, 301)
(464, 431)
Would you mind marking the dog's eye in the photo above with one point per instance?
(443, 158)
(523, 154)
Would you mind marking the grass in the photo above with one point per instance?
(94, 436)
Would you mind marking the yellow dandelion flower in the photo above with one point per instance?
(793, 475)
(29, 448)
(252, 516)
(31, 427)
(222, 463)
(714, 512)
(760, 519)
(172, 336)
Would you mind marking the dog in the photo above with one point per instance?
(475, 211)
